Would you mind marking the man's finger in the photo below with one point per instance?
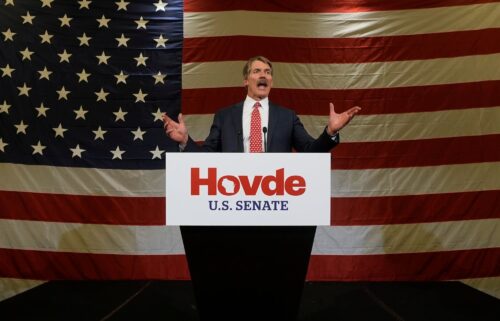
(353, 111)
(166, 119)
(332, 109)
(181, 119)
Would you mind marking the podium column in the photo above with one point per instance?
(248, 272)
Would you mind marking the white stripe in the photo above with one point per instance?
(407, 238)
(341, 25)
(10, 287)
(345, 183)
(341, 240)
(90, 238)
(198, 125)
(388, 127)
(490, 286)
(82, 181)
(416, 180)
(351, 76)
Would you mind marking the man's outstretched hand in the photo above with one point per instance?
(177, 131)
(338, 121)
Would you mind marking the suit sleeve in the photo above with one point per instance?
(212, 142)
(303, 142)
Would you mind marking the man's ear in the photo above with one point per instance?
(245, 82)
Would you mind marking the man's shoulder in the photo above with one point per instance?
(281, 109)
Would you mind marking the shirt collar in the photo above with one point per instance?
(249, 101)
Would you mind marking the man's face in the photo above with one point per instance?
(259, 80)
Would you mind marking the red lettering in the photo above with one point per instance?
(250, 189)
(197, 181)
(229, 185)
(295, 185)
(278, 180)
(225, 187)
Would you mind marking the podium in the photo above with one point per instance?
(248, 228)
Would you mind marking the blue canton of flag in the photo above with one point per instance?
(84, 83)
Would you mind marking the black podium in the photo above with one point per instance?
(248, 272)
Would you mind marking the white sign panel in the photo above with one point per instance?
(248, 189)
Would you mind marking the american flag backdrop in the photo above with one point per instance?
(415, 181)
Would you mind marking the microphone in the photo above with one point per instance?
(264, 130)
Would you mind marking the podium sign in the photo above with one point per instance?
(273, 189)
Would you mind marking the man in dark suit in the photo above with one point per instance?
(280, 128)
(252, 272)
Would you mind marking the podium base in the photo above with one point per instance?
(248, 273)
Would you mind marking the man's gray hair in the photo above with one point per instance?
(248, 65)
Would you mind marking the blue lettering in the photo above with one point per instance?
(246, 205)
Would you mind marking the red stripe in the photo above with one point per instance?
(322, 5)
(414, 153)
(344, 50)
(410, 153)
(407, 209)
(82, 209)
(40, 265)
(388, 267)
(344, 211)
(449, 265)
(373, 101)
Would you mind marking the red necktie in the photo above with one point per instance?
(255, 130)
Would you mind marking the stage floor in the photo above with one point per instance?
(174, 300)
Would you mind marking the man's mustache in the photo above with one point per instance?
(262, 82)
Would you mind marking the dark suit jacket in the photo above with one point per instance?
(284, 133)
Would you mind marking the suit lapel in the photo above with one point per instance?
(237, 116)
(272, 125)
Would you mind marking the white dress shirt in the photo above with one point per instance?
(247, 115)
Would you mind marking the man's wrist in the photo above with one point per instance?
(331, 132)
(183, 144)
